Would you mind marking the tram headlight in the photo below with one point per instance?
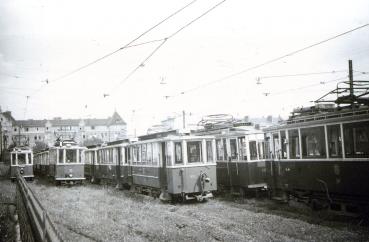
(70, 175)
(21, 171)
(207, 179)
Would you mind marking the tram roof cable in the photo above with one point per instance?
(269, 61)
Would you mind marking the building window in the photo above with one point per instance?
(35, 137)
(37, 129)
(47, 128)
(27, 129)
(15, 129)
(84, 136)
(92, 127)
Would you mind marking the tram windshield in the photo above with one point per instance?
(194, 152)
(29, 158)
(14, 159)
(21, 159)
(70, 156)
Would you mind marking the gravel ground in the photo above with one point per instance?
(98, 213)
(7, 197)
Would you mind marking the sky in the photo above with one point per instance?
(47, 39)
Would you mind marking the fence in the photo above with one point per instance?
(35, 224)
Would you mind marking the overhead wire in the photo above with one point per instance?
(269, 61)
(128, 45)
(164, 40)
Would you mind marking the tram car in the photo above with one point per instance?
(21, 160)
(170, 165)
(63, 163)
(321, 153)
(243, 156)
(104, 163)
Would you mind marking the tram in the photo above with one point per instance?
(322, 152)
(242, 155)
(63, 163)
(21, 160)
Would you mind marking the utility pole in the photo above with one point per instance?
(351, 80)
(184, 119)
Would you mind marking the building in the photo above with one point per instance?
(31, 131)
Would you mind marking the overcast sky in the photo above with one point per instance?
(47, 39)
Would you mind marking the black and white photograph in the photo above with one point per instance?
(184, 120)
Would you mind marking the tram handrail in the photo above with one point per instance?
(42, 226)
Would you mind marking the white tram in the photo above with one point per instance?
(21, 159)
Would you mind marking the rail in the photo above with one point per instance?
(34, 222)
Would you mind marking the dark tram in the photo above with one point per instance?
(242, 154)
(321, 153)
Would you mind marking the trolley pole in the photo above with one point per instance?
(351, 79)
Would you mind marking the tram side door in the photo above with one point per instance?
(163, 167)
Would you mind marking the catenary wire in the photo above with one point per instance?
(269, 61)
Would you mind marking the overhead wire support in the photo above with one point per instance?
(269, 61)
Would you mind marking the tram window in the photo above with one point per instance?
(128, 155)
(155, 153)
(284, 144)
(149, 153)
(139, 153)
(356, 139)
(143, 153)
(253, 151)
(98, 156)
(266, 147)
(21, 159)
(276, 145)
(233, 145)
(225, 149)
(313, 142)
(29, 158)
(219, 147)
(178, 153)
(294, 143)
(209, 151)
(135, 154)
(169, 153)
(70, 156)
(260, 150)
(334, 141)
(242, 148)
(194, 152)
(14, 159)
(111, 157)
(61, 156)
(80, 156)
